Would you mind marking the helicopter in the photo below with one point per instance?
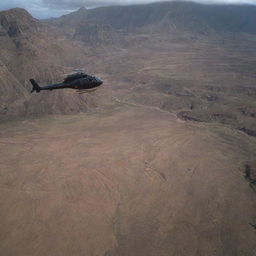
(79, 81)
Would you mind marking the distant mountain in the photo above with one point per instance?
(166, 16)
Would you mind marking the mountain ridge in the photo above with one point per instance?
(182, 15)
(17, 21)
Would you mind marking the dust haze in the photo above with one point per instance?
(44, 9)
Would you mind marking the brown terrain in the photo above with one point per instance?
(161, 160)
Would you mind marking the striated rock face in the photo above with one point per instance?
(12, 93)
(94, 34)
(17, 21)
(3, 32)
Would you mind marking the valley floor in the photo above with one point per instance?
(125, 181)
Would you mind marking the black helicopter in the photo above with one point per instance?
(79, 81)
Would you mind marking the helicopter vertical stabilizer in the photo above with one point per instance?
(36, 87)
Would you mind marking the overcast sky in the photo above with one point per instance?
(55, 8)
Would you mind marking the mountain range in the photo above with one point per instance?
(48, 50)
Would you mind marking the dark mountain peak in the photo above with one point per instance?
(16, 11)
(17, 21)
(82, 9)
(72, 19)
(17, 14)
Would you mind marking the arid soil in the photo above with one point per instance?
(128, 180)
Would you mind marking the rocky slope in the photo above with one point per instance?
(29, 49)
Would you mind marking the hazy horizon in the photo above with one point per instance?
(54, 8)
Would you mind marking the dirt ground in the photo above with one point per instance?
(127, 181)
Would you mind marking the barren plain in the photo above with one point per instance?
(129, 181)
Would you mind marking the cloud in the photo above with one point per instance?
(80, 3)
(38, 8)
(96, 3)
(54, 8)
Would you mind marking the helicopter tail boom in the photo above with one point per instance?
(36, 87)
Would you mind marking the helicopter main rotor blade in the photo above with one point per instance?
(82, 91)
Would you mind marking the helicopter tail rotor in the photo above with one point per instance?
(36, 87)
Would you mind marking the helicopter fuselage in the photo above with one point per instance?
(80, 82)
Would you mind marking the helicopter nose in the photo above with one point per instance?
(99, 81)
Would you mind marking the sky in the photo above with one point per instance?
(43, 9)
